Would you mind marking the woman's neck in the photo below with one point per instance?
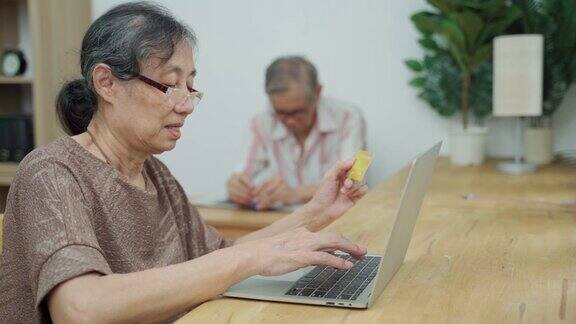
(110, 147)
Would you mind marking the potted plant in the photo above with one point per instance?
(556, 20)
(455, 74)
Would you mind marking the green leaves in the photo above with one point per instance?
(418, 82)
(481, 55)
(465, 29)
(427, 23)
(471, 25)
(481, 95)
(456, 41)
(566, 41)
(499, 25)
(439, 83)
(414, 65)
(445, 6)
(428, 43)
(457, 37)
(556, 20)
(467, 26)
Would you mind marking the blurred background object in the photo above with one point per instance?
(359, 49)
(448, 29)
(455, 75)
(39, 46)
(518, 61)
(15, 137)
(556, 21)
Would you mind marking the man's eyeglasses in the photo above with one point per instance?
(175, 96)
(295, 114)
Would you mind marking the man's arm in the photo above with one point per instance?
(277, 190)
(239, 186)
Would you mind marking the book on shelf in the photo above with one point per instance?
(4, 140)
(15, 137)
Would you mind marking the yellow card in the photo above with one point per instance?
(361, 164)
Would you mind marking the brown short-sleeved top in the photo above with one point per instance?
(69, 213)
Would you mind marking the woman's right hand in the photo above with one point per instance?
(297, 249)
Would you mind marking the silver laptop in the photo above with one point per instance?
(361, 285)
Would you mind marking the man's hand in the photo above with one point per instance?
(273, 191)
(240, 189)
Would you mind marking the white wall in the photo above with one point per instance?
(358, 47)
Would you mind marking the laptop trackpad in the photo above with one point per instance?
(290, 276)
(266, 286)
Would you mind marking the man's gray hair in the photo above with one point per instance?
(287, 70)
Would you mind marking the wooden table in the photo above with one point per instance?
(236, 223)
(487, 248)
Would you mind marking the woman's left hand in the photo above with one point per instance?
(336, 194)
(333, 197)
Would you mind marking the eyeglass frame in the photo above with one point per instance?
(293, 114)
(165, 88)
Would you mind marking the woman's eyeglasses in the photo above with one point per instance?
(175, 96)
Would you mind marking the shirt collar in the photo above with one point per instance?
(325, 122)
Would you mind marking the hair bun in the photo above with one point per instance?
(75, 105)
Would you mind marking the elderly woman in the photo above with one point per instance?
(98, 230)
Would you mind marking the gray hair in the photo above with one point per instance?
(122, 38)
(287, 70)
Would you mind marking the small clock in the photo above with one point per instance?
(13, 63)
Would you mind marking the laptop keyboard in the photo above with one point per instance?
(332, 283)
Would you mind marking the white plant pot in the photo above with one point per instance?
(468, 147)
(538, 145)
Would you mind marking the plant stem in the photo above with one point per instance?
(465, 98)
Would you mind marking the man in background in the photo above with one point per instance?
(296, 140)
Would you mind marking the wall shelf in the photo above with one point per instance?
(15, 80)
(7, 172)
(49, 33)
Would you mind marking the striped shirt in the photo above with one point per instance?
(339, 131)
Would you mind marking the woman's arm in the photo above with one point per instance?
(160, 294)
(147, 296)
